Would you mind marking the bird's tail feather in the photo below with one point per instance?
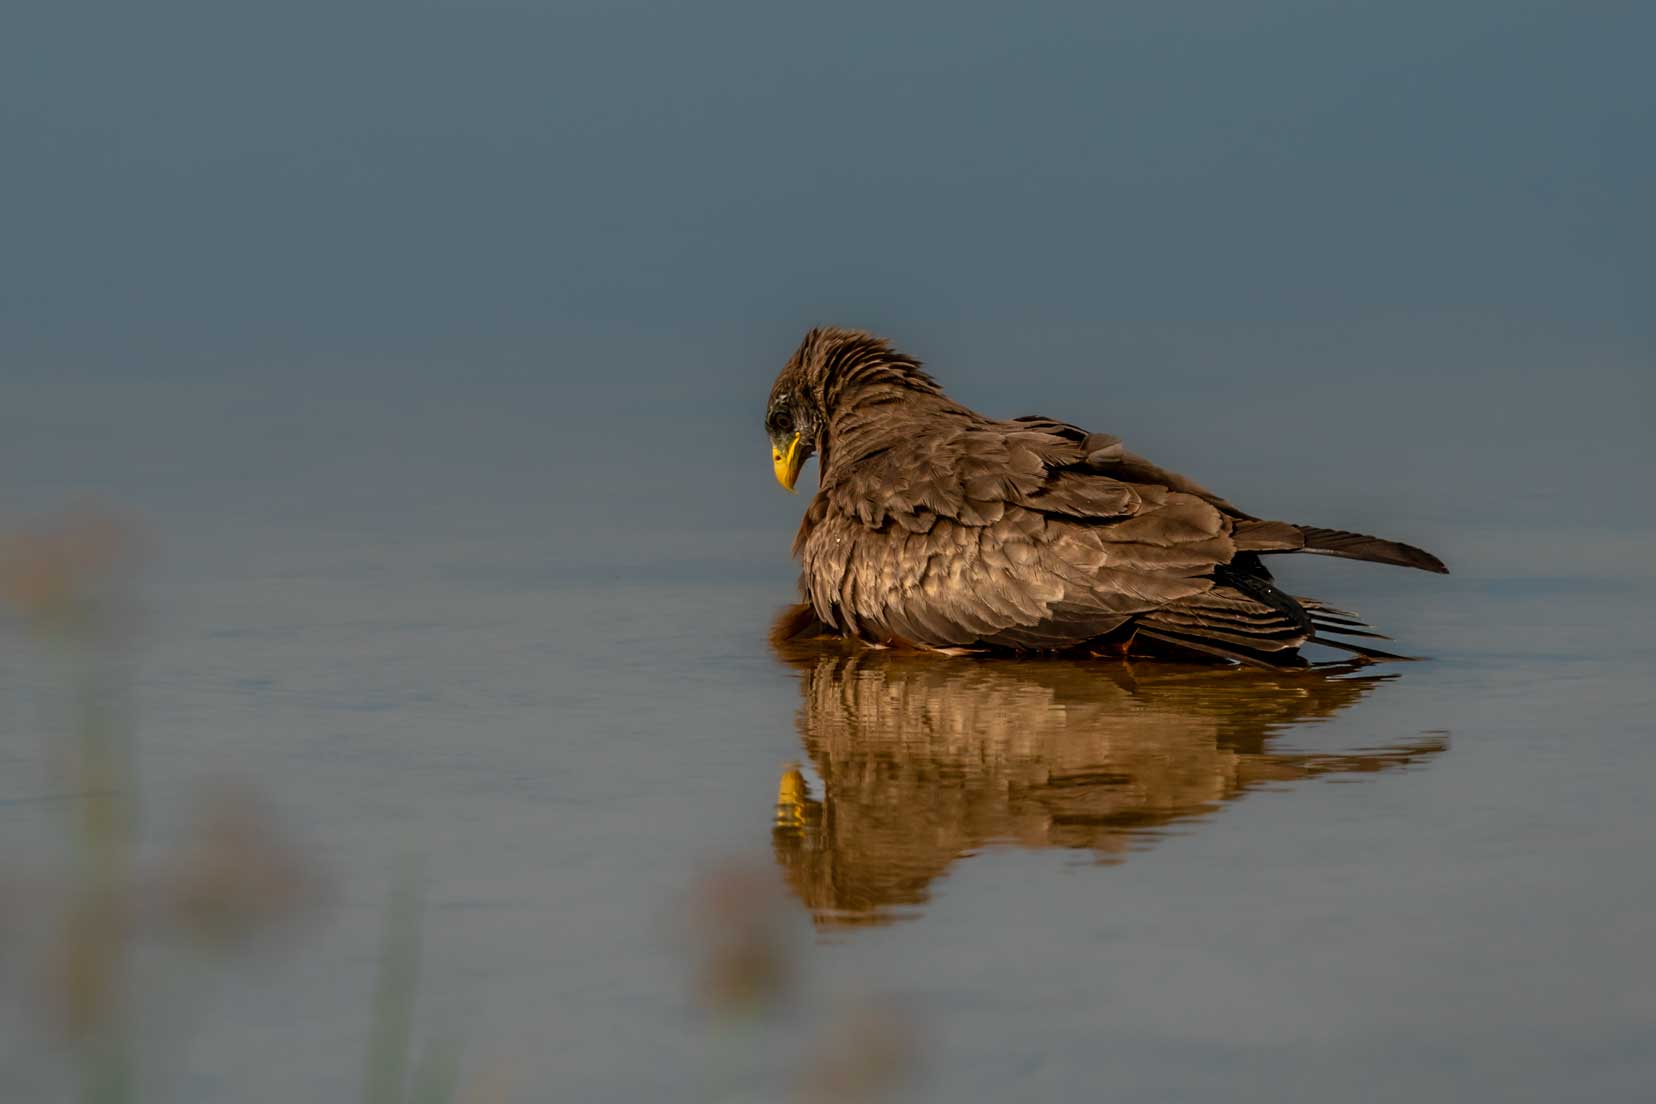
(1361, 546)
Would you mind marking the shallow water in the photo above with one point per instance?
(1410, 881)
(426, 345)
(1424, 881)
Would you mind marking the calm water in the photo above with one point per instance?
(1422, 882)
(426, 344)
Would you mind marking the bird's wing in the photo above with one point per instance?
(1105, 455)
(1003, 534)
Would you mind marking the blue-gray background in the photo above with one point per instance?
(394, 323)
(1418, 237)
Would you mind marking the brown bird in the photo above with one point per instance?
(935, 527)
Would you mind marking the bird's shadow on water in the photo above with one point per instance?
(915, 760)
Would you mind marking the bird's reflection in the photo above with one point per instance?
(921, 759)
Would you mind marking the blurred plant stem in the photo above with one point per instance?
(235, 879)
(65, 582)
(399, 976)
(97, 944)
(435, 1080)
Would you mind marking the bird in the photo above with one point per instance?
(936, 528)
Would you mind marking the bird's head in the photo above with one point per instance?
(791, 421)
(829, 367)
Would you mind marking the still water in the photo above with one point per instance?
(1424, 881)
(1421, 881)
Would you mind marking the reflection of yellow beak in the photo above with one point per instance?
(792, 795)
(787, 462)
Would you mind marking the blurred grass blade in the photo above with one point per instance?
(437, 1079)
(399, 970)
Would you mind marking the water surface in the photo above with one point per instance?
(1421, 881)
(464, 620)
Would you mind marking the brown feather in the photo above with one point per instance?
(936, 527)
(1360, 546)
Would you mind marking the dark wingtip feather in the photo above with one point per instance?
(1347, 630)
(1277, 661)
(1360, 649)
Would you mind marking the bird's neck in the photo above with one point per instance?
(880, 414)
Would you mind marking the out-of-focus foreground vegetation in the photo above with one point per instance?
(237, 883)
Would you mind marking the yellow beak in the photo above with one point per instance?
(787, 463)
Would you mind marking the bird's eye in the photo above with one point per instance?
(780, 421)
